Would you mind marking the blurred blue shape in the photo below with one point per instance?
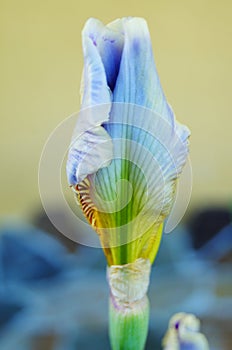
(45, 290)
(9, 308)
(40, 283)
(28, 254)
(219, 246)
(175, 246)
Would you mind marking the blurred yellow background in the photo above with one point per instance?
(41, 64)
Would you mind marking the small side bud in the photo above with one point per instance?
(184, 333)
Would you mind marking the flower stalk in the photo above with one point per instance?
(128, 326)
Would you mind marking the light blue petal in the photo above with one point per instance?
(138, 81)
(91, 146)
(88, 152)
(110, 45)
(138, 84)
(94, 85)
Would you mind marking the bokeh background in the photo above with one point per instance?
(41, 64)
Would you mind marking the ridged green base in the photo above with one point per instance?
(128, 327)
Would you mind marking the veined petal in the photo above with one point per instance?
(136, 191)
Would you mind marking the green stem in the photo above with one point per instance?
(128, 324)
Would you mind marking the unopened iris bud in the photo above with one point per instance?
(125, 157)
